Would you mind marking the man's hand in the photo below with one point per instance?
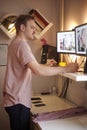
(72, 67)
(51, 62)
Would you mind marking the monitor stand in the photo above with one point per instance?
(85, 66)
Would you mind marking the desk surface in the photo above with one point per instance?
(77, 76)
(54, 103)
(74, 123)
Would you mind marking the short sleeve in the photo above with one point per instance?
(24, 54)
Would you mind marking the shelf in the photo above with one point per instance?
(39, 35)
(77, 76)
(6, 31)
(7, 25)
(42, 24)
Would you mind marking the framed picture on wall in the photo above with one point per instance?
(3, 54)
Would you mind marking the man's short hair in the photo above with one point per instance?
(22, 19)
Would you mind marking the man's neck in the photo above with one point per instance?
(21, 37)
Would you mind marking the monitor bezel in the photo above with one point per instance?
(58, 43)
(79, 28)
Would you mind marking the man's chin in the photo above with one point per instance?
(33, 38)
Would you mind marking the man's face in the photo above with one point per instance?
(29, 30)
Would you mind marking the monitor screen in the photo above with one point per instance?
(66, 42)
(81, 39)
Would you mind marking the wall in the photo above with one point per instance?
(4, 122)
(77, 93)
(75, 13)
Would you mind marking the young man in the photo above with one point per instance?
(20, 66)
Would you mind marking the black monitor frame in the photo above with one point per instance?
(81, 39)
(69, 38)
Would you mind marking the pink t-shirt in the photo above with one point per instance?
(17, 85)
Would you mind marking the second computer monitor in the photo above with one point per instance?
(81, 39)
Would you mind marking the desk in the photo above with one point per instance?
(77, 76)
(55, 103)
(74, 123)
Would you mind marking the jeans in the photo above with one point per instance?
(20, 117)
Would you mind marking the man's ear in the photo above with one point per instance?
(22, 27)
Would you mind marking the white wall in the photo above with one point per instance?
(77, 93)
(75, 13)
(4, 122)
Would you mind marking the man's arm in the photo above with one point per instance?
(39, 69)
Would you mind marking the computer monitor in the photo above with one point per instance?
(81, 39)
(81, 42)
(66, 42)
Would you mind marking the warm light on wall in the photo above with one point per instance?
(85, 19)
(71, 25)
(84, 16)
(73, 58)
